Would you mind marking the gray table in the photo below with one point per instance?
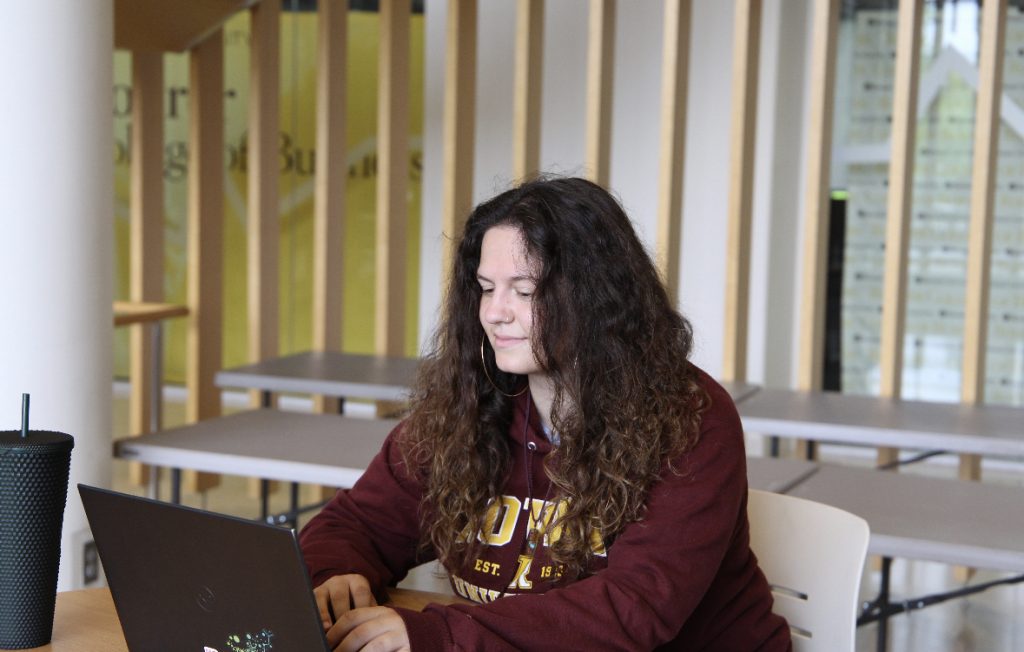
(778, 475)
(354, 375)
(342, 375)
(325, 449)
(988, 430)
(950, 521)
(974, 524)
(739, 390)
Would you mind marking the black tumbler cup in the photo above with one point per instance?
(33, 492)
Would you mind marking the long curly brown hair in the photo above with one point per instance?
(626, 400)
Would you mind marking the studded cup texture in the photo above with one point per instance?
(33, 492)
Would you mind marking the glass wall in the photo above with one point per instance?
(941, 200)
(296, 156)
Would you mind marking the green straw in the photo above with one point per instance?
(24, 415)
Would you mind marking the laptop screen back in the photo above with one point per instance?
(185, 579)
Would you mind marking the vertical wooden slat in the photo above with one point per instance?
(816, 201)
(979, 244)
(459, 122)
(392, 176)
(205, 230)
(674, 75)
(600, 69)
(262, 242)
(746, 43)
(146, 241)
(527, 93)
(900, 202)
(329, 184)
(262, 218)
(816, 197)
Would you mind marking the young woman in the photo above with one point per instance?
(562, 459)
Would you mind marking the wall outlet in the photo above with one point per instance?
(90, 563)
(86, 569)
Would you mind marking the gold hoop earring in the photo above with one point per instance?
(483, 362)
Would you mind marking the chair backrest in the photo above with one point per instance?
(813, 556)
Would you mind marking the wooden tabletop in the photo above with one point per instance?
(86, 621)
(141, 312)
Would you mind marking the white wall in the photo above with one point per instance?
(778, 192)
(56, 271)
(635, 140)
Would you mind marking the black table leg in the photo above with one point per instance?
(882, 641)
(295, 504)
(264, 499)
(176, 486)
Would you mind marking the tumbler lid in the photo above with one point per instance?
(38, 441)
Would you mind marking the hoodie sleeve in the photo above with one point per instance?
(371, 529)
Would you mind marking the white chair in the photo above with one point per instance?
(813, 556)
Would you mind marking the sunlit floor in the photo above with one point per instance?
(991, 621)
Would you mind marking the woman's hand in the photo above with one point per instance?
(352, 619)
(379, 629)
(341, 594)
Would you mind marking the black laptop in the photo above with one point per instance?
(184, 579)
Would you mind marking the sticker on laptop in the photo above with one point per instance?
(260, 642)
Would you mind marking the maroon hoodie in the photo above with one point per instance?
(682, 578)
